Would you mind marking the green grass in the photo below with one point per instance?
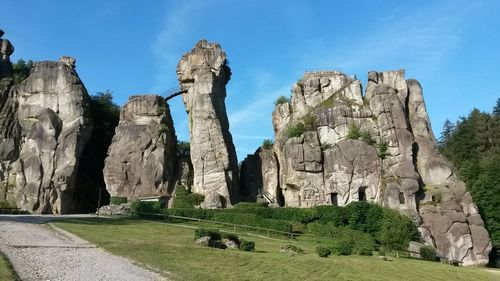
(6, 270)
(170, 248)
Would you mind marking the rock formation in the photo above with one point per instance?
(44, 126)
(203, 74)
(334, 146)
(6, 49)
(141, 160)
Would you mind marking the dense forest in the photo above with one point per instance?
(472, 144)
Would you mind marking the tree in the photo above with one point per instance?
(447, 131)
(21, 70)
(496, 109)
(105, 115)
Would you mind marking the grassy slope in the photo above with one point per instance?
(171, 248)
(6, 270)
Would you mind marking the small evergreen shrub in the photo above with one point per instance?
(353, 132)
(342, 247)
(117, 200)
(153, 207)
(428, 253)
(281, 100)
(248, 246)
(295, 130)
(267, 144)
(185, 199)
(323, 252)
(202, 232)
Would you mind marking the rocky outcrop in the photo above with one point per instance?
(44, 127)
(203, 74)
(334, 146)
(6, 49)
(141, 160)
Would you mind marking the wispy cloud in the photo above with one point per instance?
(177, 26)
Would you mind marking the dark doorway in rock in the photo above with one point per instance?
(333, 197)
(362, 194)
(279, 197)
(401, 198)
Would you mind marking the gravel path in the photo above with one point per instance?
(39, 252)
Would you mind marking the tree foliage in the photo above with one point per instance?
(105, 115)
(472, 144)
(21, 70)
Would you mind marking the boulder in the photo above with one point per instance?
(203, 74)
(46, 126)
(205, 241)
(141, 159)
(378, 148)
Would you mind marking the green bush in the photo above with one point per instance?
(267, 144)
(428, 253)
(202, 232)
(309, 122)
(383, 150)
(153, 207)
(248, 246)
(281, 100)
(323, 252)
(245, 205)
(353, 132)
(204, 214)
(253, 220)
(231, 236)
(396, 230)
(292, 248)
(295, 130)
(342, 247)
(117, 200)
(331, 214)
(186, 199)
(302, 215)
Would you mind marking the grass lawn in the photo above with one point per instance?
(6, 271)
(171, 248)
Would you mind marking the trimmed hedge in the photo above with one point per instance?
(346, 240)
(186, 199)
(248, 246)
(146, 207)
(428, 253)
(253, 220)
(117, 200)
(202, 232)
(246, 205)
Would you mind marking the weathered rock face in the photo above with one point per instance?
(141, 160)
(44, 129)
(378, 148)
(6, 49)
(203, 74)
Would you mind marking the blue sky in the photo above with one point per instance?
(132, 47)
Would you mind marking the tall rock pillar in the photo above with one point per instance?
(203, 74)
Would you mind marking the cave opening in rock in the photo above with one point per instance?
(362, 194)
(334, 199)
(401, 198)
(280, 198)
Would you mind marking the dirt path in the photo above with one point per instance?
(39, 252)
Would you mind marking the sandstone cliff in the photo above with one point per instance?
(334, 146)
(141, 160)
(203, 74)
(44, 127)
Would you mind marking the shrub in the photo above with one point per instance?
(396, 230)
(253, 220)
(342, 247)
(289, 248)
(267, 144)
(295, 130)
(185, 199)
(353, 132)
(248, 246)
(428, 253)
(117, 200)
(331, 214)
(231, 236)
(204, 214)
(383, 150)
(323, 252)
(245, 205)
(202, 232)
(153, 207)
(281, 100)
